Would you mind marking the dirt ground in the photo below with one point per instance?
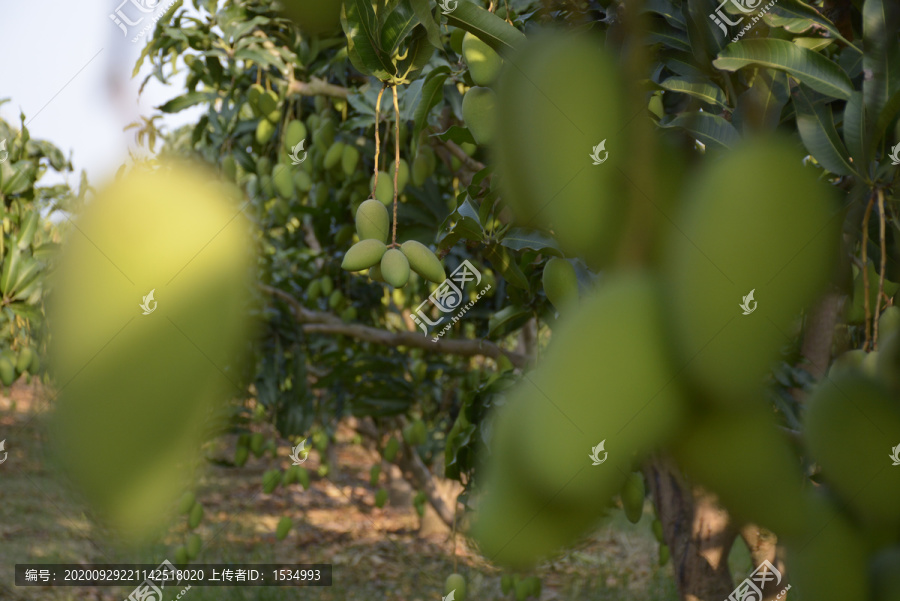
(375, 553)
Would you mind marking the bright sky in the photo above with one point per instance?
(68, 66)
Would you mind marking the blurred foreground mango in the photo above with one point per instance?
(138, 374)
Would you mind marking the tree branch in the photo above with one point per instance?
(317, 322)
(316, 87)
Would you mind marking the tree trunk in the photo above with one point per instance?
(697, 530)
(763, 545)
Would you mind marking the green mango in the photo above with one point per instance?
(264, 132)
(423, 166)
(657, 528)
(181, 556)
(196, 516)
(402, 176)
(664, 555)
(375, 273)
(830, 564)
(523, 590)
(348, 314)
(889, 322)
(856, 312)
(626, 395)
(270, 481)
(303, 477)
(888, 366)
(268, 107)
(229, 167)
(350, 160)
(334, 155)
(344, 234)
(385, 190)
(283, 182)
(455, 583)
(256, 443)
(479, 107)
(391, 449)
(560, 283)
(570, 110)
(335, 299)
(289, 476)
(24, 360)
(323, 137)
(374, 473)
(849, 362)
(395, 268)
(302, 181)
(314, 16)
(373, 221)
(284, 527)
(193, 546)
(484, 64)
(632, 495)
(314, 290)
(327, 285)
(264, 166)
(364, 254)
(773, 235)
(186, 503)
(294, 133)
(253, 94)
(35, 366)
(884, 570)
(860, 412)
(534, 583)
(456, 39)
(101, 442)
(423, 261)
(507, 583)
(381, 498)
(728, 451)
(241, 454)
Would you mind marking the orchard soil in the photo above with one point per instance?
(376, 553)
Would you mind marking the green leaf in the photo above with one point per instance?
(712, 130)
(417, 54)
(881, 59)
(26, 234)
(432, 95)
(807, 66)
(667, 9)
(486, 26)
(179, 103)
(705, 38)
(855, 133)
(701, 88)
(520, 238)
(363, 40)
(398, 24)
(422, 8)
(800, 10)
(760, 106)
(504, 263)
(456, 134)
(507, 320)
(22, 178)
(815, 124)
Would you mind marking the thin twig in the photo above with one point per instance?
(865, 271)
(881, 271)
(377, 141)
(396, 161)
